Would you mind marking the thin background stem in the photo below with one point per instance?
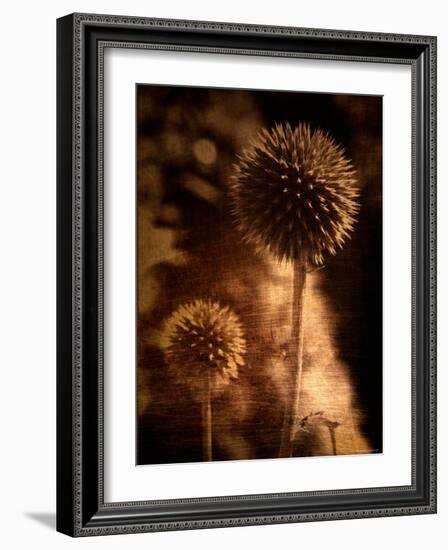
(207, 424)
(332, 431)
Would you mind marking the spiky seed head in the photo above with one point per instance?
(202, 338)
(294, 192)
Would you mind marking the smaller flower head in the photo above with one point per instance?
(204, 342)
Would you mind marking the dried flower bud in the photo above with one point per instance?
(203, 338)
(294, 193)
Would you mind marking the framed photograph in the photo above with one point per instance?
(246, 275)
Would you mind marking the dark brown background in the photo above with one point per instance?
(187, 139)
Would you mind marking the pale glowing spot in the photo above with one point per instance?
(205, 151)
(201, 188)
(170, 214)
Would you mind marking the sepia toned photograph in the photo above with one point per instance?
(259, 274)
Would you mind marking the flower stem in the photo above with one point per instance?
(290, 418)
(207, 424)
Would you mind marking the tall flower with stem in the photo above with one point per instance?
(294, 193)
(204, 346)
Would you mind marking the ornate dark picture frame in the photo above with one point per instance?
(81, 509)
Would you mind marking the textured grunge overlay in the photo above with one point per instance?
(259, 274)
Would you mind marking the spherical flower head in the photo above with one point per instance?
(204, 341)
(294, 193)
